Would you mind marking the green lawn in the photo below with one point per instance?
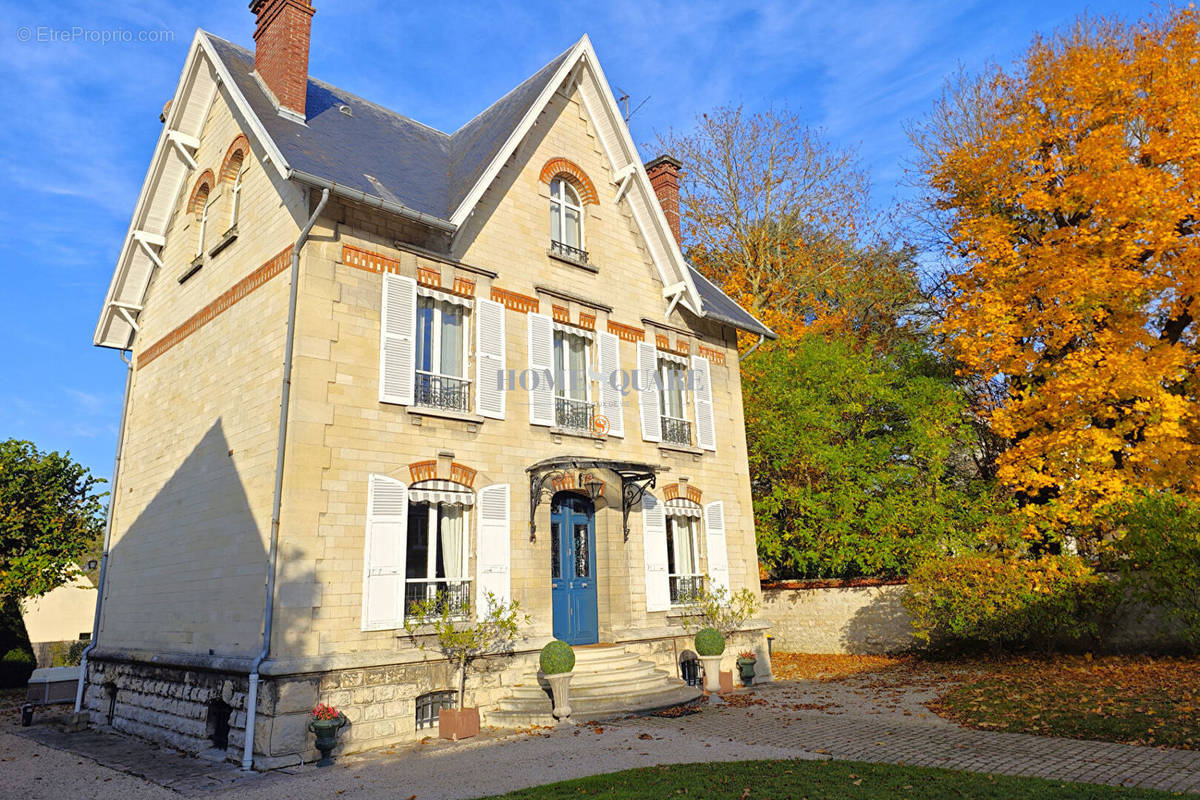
(819, 780)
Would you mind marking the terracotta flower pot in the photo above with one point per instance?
(458, 723)
(726, 681)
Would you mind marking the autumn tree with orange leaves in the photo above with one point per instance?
(778, 217)
(1069, 188)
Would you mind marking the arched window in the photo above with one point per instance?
(199, 204)
(566, 216)
(236, 162)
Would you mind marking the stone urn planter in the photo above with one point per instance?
(710, 644)
(325, 723)
(458, 723)
(745, 663)
(557, 662)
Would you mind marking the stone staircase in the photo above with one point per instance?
(607, 682)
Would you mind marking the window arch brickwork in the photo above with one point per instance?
(200, 192)
(574, 174)
(234, 158)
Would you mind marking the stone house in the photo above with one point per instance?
(372, 363)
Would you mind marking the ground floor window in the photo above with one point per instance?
(430, 705)
(683, 558)
(436, 555)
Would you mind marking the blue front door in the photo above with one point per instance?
(573, 568)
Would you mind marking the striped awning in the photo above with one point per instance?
(447, 492)
(574, 330)
(665, 356)
(679, 507)
(446, 297)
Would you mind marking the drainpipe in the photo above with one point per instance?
(108, 522)
(761, 338)
(277, 501)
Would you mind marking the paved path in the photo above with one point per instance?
(865, 718)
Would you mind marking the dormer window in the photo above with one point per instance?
(566, 220)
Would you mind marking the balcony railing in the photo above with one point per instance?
(676, 431)
(442, 391)
(577, 415)
(566, 251)
(454, 595)
(685, 588)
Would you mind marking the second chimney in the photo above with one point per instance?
(664, 177)
(281, 49)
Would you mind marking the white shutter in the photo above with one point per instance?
(492, 553)
(397, 339)
(609, 347)
(383, 554)
(654, 547)
(647, 368)
(714, 537)
(541, 368)
(489, 359)
(706, 434)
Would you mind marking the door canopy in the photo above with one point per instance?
(570, 473)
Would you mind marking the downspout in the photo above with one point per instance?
(277, 501)
(108, 525)
(745, 355)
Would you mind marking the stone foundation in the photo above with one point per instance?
(183, 707)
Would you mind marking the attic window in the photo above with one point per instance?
(349, 112)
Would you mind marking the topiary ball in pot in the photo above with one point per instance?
(557, 657)
(710, 642)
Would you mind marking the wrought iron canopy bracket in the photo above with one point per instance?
(635, 480)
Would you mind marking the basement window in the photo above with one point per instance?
(429, 705)
(689, 668)
(218, 724)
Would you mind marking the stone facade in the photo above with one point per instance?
(183, 608)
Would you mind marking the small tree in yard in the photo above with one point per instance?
(461, 638)
(50, 517)
(718, 609)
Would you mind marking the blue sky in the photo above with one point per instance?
(82, 120)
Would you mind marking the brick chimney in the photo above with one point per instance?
(281, 49)
(664, 177)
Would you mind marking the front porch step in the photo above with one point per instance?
(607, 682)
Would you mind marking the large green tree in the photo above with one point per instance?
(51, 516)
(858, 458)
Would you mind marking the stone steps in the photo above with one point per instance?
(607, 681)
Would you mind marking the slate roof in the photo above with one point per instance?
(396, 159)
(379, 152)
(721, 306)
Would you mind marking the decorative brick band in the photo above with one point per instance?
(231, 296)
(429, 277)
(561, 314)
(712, 354)
(514, 301)
(464, 286)
(561, 167)
(460, 473)
(626, 332)
(672, 492)
(587, 321)
(368, 260)
(423, 470)
(662, 341)
(230, 167)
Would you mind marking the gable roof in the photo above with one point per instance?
(371, 154)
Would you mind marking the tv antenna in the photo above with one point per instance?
(623, 100)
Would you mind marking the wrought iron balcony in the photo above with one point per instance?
(441, 594)
(676, 431)
(442, 391)
(685, 588)
(568, 252)
(575, 415)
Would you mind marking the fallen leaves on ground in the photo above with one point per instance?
(1130, 699)
(804, 666)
